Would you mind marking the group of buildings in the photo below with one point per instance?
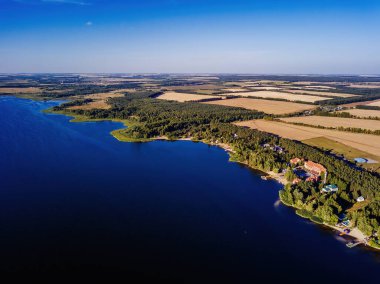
(309, 171)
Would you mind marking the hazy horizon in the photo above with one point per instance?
(271, 37)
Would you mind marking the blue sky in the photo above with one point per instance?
(190, 36)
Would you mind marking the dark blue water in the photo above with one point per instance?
(74, 199)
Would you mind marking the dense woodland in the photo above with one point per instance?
(212, 124)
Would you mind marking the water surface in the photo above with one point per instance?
(74, 199)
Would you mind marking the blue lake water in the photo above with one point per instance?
(74, 199)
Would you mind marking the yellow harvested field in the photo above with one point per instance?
(269, 88)
(363, 112)
(100, 101)
(101, 104)
(327, 121)
(234, 90)
(377, 104)
(318, 93)
(360, 103)
(103, 96)
(184, 97)
(318, 87)
(29, 90)
(193, 87)
(366, 86)
(267, 106)
(279, 95)
(364, 142)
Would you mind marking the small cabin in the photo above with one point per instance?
(295, 161)
(360, 199)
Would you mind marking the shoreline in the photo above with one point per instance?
(355, 233)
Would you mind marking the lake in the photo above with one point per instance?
(74, 199)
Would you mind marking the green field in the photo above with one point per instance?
(340, 149)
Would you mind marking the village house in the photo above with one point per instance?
(295, 161)
(360, 199)
(315, 168)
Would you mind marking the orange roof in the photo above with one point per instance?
(295, 160)
(315, 167)
(296, 180)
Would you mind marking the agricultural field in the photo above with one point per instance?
(363, 113)
(363, 142)
(279, 95)
(99, 101)
(267, 106)
(193, 87)
(319, 93)
(184, 97)
(366, 86)
(29, 90)
(363, 103)
(234, 90)
(99, 104)
(346, 151)
(335, 122)
(375, 103)
(269, 88)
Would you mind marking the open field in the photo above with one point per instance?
(101, 104)
(366, 86)
(267, 106)
(364, 142)
(319, 87)
(328, 121)
(363, 112)
(99, 101)
(348, 152)
(279, 95)
(365, 103)
(184, 97)
(234, 90)
(103, 96)
(194, 87)
(269, 88)
(29, 90)
(374, 103)
(318, 93)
